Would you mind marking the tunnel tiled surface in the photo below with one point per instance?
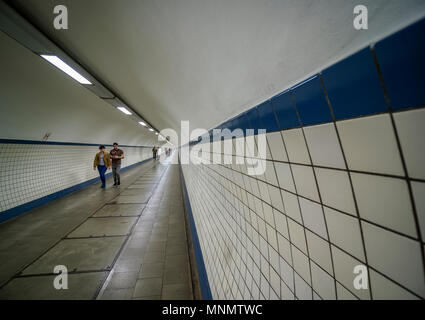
(134, 250)
(344, 180)
(333, 196)
(17, 188)
(342, 188)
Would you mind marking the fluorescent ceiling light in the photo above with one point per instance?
(124, 110)
(142, 123)
(58, 63)
(156, 133)
(150, 129)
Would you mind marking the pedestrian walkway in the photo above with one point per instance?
(119, 243)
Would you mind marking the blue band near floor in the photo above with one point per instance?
(202, 272)
(23, 208)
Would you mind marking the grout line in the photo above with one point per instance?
(403, 160)
(328, 206)
(387, 175)
(259, 268)
(320, 201)
(356, 207)
(344, 251)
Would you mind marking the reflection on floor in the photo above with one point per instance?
(119, 243)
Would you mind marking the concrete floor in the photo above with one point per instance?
(119, 243)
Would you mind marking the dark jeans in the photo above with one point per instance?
(102, 170)
(116, 172)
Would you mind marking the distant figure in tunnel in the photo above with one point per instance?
(102, 162)
(116, 155)
(155, 152)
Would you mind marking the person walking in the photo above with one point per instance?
(116, 156)
(154, 151)
(102, 162)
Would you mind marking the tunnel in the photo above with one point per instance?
(212, 150)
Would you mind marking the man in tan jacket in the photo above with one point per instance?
(102, 161)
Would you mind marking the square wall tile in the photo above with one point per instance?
(267, 116)
(384, 289)
(313, 217)
(396, 256)
(296, 146)
(281, 223)
(344, 294)
(262, 147)
(277, 149)
(353, 86)
(264, 192)
(287, 274)
(302, 289)
(273, 258)
(286, 293)
(274, 283)
(268, 212)
(385, 201)
(369, 145)
(335, 189)
(418, 190)
(285, 111)
(271, 236)
(268, 152)
(316, 296)
(305, 181)
(411, 131)
(292, 207)
(253, 119)
(319, 251)
(344, 231)
(323, 283)
(284, 176)
(301, 264)
(400, 57)
(297, 235)
(324, 146)
(311, 103)
(276, 198)
(284, 249)
(344, 272)
(270, 173)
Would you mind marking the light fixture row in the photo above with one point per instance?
(61, 65)
(18, 28)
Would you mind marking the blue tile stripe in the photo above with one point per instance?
(402, 63)
(352, 85)
(361, 94)
(23, 208)
(59, 143)
(202, 272)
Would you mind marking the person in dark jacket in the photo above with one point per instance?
(116, 156)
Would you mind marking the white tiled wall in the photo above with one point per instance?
(32, 171)
(334, 196)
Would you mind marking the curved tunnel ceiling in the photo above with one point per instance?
(206, 61)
